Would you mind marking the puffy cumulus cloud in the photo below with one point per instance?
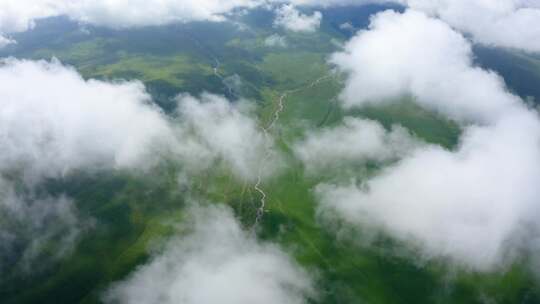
(65, 123)
(439, 76)
(504, 23)
(52, 121)
(466, 206)
(214, 129)
(476, 205)
(217, 262)
(356, 140)
(288, 17)
(20, 15)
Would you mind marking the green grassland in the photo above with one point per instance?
(135, 213)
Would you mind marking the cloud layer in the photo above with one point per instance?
(466, 205)
(217, 262)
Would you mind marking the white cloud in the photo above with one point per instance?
(276, 40)
(439, 75)
(287, 16)
(52, 121)
(330, 3)
(212, 128)
(354, 141)
(471, 205)
(465, 205)
(20, 15)
(503, 23)
(347, 26)
(217, 262)
(65, 123)
(506, 23)
(5, 41)
(121, 14)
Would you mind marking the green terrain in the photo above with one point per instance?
(134, 211)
